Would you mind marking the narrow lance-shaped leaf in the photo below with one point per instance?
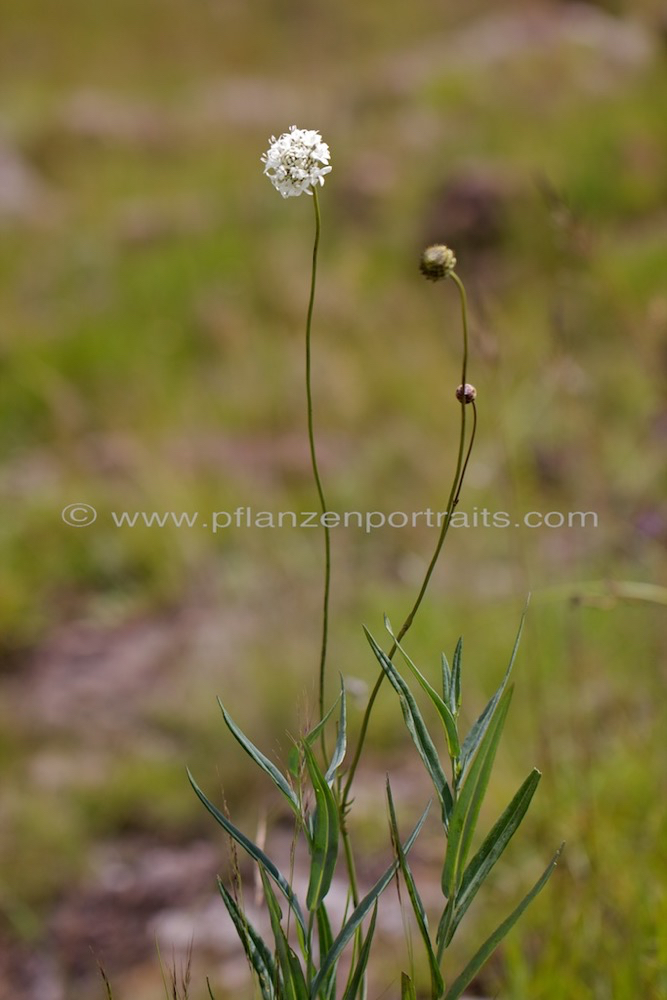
(341, 741)
(279, 780)
(316, 730)
(446, 679)
(325, 940)
(477, 961)
(466, 808)
(258, 954)
(407, 988)
(294, 757)
(437, 984)
(324, 839)
(254, 851)
(417, 729)
(356, 979)
(443, 934)
(443, 710)
(294, 761)
(493, 846)
(361, 911)
(476, 734)
(455, 702)
(293, 980)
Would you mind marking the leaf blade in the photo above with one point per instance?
(466, 808)
(417, 729)
(408, 991)
(316, 730)
(482, 954)
(493, 846)
(252, 849)
(277, 777)
(357, 974)
(444, 712)
(473, 739)
(437, 984)
(325, 834)
(325, 940)
(361, 911)
(340, 748)
(258, 954)
(455, 702)
(293, 980)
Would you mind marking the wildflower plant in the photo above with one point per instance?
(302, 958)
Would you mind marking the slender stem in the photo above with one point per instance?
(468, 454)
(454, 494)
(313, 459)
(349, 858)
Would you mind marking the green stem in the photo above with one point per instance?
(454, 494)
(313, 459)
(349, 858)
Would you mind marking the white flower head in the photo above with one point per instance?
(297, 161)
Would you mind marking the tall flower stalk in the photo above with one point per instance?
(437, 262)
(297, 163)
(316, 471)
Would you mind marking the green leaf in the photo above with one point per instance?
(446, 717)
(325, 940)
(407, 988)
(253, 850)
(294, 755)
(492, 942)
(293, 762)
(455, 702)
(466, 808)
(325, 831)
(316, 730)
(360, 912)
(279, 780)
(258, 954)
(493, 846)
(417, 729)
(446, 680)
(476, 734)
(341, 742)
(437, 984)
(355, 982)
(293, 981)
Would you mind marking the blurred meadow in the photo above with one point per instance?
(153, 289)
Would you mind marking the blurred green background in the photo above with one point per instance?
(153, 289)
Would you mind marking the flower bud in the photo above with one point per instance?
(437, 262)
(466, 393)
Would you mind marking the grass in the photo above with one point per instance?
(151, 360)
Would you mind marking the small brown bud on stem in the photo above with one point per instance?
(466, 393)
